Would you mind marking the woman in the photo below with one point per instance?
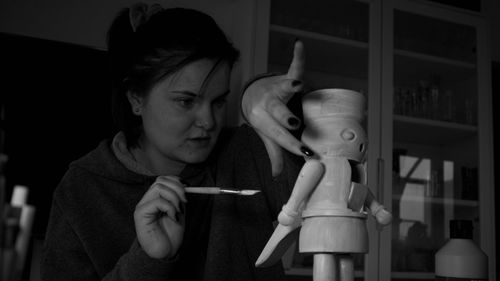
(121, 212)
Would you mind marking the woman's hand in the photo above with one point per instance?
(264, 107)
(159, 218)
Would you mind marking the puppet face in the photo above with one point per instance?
(336, 137)
(332, 123)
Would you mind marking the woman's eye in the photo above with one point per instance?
(184, 102)
(220, 102)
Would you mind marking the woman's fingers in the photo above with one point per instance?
(283, 115)
(156, 191)
(175, 231)
(272, 129)
(297, 66)
(278, 109)
(159, 227)
(174, 183)
(167, 188)
(153, 209)
(275, 154)
(284, 88)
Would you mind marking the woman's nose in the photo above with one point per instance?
(205, 118)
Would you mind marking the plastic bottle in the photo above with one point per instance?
(460, 259)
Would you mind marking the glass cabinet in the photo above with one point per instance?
(424, 70)
(433, 75)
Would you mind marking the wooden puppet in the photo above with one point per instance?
(328, 204)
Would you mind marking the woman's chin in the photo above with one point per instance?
(197, 156)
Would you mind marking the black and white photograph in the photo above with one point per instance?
(249, 140)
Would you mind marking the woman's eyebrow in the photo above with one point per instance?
(223, 95)
(194, 95)
(188, 93)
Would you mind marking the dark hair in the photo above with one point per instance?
(168, 41)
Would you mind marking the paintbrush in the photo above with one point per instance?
(218, 190)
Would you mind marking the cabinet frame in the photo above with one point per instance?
(380, 118)
(484, 127)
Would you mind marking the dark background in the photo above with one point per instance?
(495, 78)
(56, 103)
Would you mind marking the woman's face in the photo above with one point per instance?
(183, 114)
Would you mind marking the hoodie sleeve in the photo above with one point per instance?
(276, 189)
(136, 265)
(65, 258)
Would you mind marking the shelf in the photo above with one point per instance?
(437, 200)
(410, 67)
(434, 59)
(324, 53)
(430, 132)
(424, 33)
(318, 36)
(308, 271)
(412, 275)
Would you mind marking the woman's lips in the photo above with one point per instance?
(201, 141)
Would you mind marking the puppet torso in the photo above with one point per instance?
(329, 225)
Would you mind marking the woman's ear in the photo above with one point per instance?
(136, 102)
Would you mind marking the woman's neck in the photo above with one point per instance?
(156, 163)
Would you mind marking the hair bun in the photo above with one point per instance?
(140, 13)
(120, 42)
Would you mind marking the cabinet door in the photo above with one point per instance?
(342, 46)
(436, 133)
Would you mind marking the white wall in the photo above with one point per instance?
(86, 23)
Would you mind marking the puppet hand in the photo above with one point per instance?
(287, 216)
(159, 218)
(286, 219)
(383, 217)
(264, 107)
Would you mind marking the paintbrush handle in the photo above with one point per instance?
(202, 190)
(218, 190)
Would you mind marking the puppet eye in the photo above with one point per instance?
(348, 135)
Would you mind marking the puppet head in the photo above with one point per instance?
(332, 119)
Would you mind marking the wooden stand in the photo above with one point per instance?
(330, 197)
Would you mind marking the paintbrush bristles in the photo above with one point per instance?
(249, 192)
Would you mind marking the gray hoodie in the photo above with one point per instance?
(91, 235)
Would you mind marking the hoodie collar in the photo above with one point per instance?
(111, 159)
(121, 151)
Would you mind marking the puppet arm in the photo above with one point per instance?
(377, 210)
(308, 178)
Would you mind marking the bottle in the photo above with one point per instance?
(460, 259)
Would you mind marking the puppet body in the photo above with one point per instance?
(326, 214)
(330, 197)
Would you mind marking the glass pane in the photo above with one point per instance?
(472, 5)
(434, 37)
(435, 174)
(335, 36)
(434, 77)
(323, 17)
